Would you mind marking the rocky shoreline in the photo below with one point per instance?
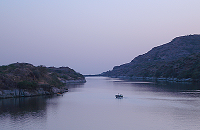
(16, 93)
(156, 79)
(73, 81)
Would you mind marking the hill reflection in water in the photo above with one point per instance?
(89, 106)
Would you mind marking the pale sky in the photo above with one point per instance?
(90, 36)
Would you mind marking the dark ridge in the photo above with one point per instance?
(179, 59)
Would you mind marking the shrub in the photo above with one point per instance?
(27, 85)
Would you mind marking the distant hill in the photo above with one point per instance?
(27, 76)
(179, 59)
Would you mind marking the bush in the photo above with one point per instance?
(55, 81)
(27, 85)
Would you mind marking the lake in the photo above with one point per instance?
(93, 106)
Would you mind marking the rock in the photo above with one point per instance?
(55, 90)
(27, 94)
(74, 81)
(40, 91)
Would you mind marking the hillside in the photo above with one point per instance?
(26, 77)
(176, 59)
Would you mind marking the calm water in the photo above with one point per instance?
(92, 106)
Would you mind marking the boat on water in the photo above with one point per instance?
(118, 96)
(59, 94)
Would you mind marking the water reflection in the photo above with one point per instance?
(89, 106)
(73, 87)
(160, 86)
(23, 113)
(36, 106)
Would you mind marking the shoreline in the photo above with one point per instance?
(73, 81)
(17, 93)
(156, 79)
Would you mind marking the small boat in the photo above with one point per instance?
(119, 95)
(59, 94)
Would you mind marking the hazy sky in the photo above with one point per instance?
(90, 36)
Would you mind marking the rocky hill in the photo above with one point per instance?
(24, 77)
(177, 59)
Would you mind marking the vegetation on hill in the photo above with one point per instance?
(27, 76)
(179, 59)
